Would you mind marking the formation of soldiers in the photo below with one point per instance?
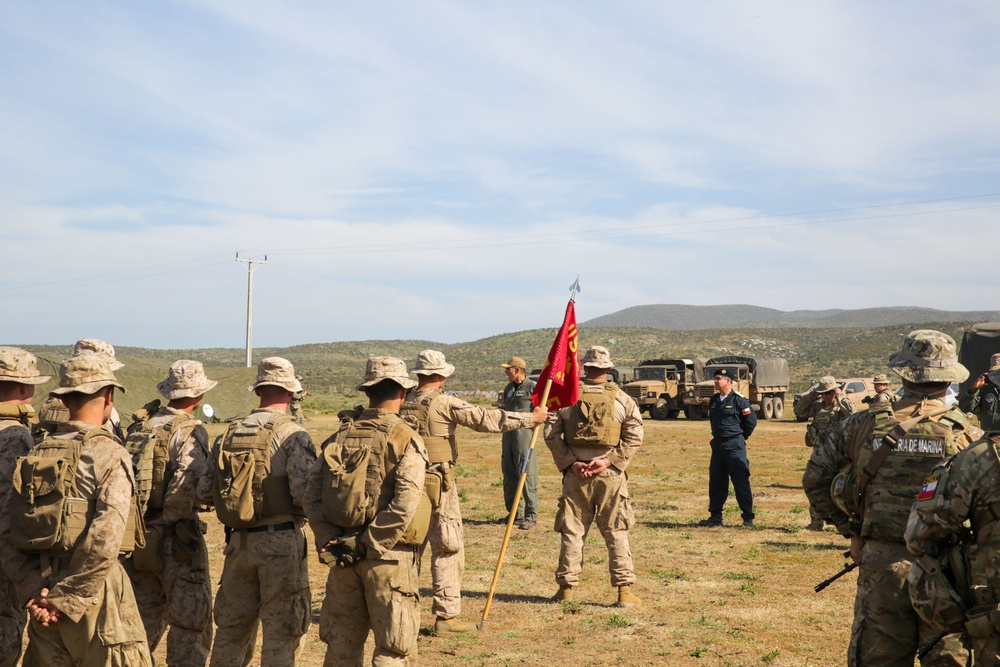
(104, 555)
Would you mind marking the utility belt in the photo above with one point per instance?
(268, 528)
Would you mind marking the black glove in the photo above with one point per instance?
(344, 551)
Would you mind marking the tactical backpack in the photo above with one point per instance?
(354, 474)
(939, 588)
(591, 421)
(244, 490)
(440, 448)
(149, 448)
(47, 513)
(22, 413)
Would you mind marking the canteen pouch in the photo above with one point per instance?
(233, 492)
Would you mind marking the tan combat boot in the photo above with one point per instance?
(564, 593)
(626, 598)
(452, 626)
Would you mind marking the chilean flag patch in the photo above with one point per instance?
(746, 411)
(929, 487)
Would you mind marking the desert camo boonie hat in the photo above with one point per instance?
(278, 372)
(185, 379)
(995, 362)
(597, 357)
(20, 366)
(387, 368)
(826, 383)
(881, 378)
(87, 374)
(515, 362)
(432, 362)
(928, 356)
(99, 348)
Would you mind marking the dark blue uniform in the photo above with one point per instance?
(733, 420)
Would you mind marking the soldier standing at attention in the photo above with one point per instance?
(62, 548)
(257, 480)
(983, 397)
(517, 398)
(373, 553)
(53, 411)
(437, 415)
(296, 405)
(18, 377)
(879, 459)
(825, 412)
(592, 443)
(733, 421)
(170, 574)
(882, 393)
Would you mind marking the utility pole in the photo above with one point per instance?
(250, 269)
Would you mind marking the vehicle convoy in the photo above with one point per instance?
(659, 385)
(762, 380)
(855, 389)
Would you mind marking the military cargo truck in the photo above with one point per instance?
(762, 380)
(659, 385)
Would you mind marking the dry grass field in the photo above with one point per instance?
(718, 596)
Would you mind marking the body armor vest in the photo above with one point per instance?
(22, 414)
(591, 421)
(150, 452)
(891, 492)
(823, 421)
(441, 447)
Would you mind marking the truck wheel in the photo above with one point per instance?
(672, 414)
(691, 412)
(659, 411)
(767, 408)
(779, 407)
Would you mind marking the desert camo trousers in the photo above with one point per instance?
(265, 576)
(887, 631)
(109, 634)
(447, 542)
(13, 618)
(603, 499)
(380, 595)
(173, 589)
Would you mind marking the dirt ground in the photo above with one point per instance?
(718, 596)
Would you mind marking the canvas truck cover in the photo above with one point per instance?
(979, 343)
(767, 371)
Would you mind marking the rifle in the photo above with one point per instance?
(848, 566)
(926, 648)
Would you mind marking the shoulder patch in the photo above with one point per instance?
(746, 410)
(929, 488)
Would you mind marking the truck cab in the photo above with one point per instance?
(658, 385)
(762, 380)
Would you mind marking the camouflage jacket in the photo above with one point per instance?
(823, 416)
(966, 487)
(984, 403)
(890, 493)
(188, 456)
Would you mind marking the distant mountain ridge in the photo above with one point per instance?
(678, 317)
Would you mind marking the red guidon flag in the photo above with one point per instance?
(562, 366)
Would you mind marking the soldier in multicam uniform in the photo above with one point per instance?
(295, 407)
(53, 411)
(437, 416)
(265, 576)
(592, 458)
(170, 574)
(983, 397)
(80, 601)
(517, 398)
(966, 488)
(879, 459)
(18, 377)
(829, 409)
(882, 393)
(375, 582)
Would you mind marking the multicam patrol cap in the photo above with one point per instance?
(515, 362)
(186, 379)
(86, 374)
(100, 348)
(826, 383)
(432, 362)
(278, 372)
(881, 378)
(597, 357)
(928, 356)
(20, 366)
(388, 368)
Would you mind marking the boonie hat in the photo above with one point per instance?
(99, 348)
(928, 356)
(20, 366)
(87, 374)
(515, 362)
(826, 383)
(432, 362)
(995, 362)
(598, 357)
(278, 372)
(387, 368)
(186, 379)
(881, 378)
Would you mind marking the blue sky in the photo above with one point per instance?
(444, 170)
